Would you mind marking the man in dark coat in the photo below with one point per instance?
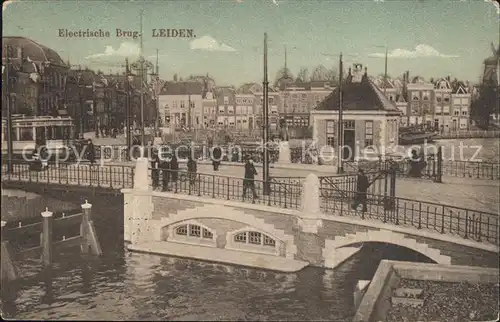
(174, 168)
(155, 171)
(165, 173)
(216, 157)
(248, 181)
(361, 189)
(192, 168)
(90, 152)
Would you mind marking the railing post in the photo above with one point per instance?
(199, 184)
(442, 221)
(47, 237)
(466, 224)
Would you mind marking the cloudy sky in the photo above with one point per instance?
(427, 37)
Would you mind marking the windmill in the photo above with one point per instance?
(491, 67)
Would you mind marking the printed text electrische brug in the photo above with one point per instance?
(122, 33)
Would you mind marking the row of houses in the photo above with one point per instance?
(44, 84)
(41, 83)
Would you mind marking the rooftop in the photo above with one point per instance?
(182, 88)
(33, 50)
(359, 94)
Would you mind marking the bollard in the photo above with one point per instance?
(84, 228)
(47, 237)
(8, 269)
(3, 230)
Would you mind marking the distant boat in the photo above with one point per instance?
(415, 136)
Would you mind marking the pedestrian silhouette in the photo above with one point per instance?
(248, 181)
(361, 189)
(192, 169)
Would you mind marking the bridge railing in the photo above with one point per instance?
(467, 223)
(71, 174)
(284, 193)
(472, 169)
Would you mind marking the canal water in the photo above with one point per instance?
(130, 286)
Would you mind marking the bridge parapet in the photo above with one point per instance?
(276, 238)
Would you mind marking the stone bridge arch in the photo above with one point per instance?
(334, 248)
(230, 214)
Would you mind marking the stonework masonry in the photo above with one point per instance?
(301, 237)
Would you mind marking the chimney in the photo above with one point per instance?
(357, 74)
(366, 71)
(349, 72)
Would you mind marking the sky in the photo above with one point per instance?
(430, 38)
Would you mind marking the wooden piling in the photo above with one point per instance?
(8, 269)
(89, 243)
(47, 221)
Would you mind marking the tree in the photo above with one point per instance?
(321, 73)
(283, 75)
(302, 76)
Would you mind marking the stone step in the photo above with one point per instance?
(407, 301)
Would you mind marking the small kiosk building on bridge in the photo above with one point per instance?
(370, 120)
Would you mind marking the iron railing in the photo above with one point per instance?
(467, 223)
(71, 174)
(472, 169)
(284, 193)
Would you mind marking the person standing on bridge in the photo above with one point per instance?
(90, 152)
(192, 169)
(248, 181)
(216, 157)
(165, 172)
(174, 168)
(155, 169)
(361, 189)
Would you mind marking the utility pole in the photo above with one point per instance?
(157, 90)
(10, 149)
(189, 123)
(265, 134)
(127, 107)
(340, 168)
(385, 73)
(141, 62)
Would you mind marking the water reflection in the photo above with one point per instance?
(132, 286)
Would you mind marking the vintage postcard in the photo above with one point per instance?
(250, 160)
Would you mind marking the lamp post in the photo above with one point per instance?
(7, 95)
(265, 134)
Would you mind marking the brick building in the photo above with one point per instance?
(37, 77)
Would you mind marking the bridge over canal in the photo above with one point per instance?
(300, 223)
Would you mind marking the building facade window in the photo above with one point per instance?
(192, 233)
(368, 133)
(226, 100)
(183, 104)
(254, 238)
(330, 133)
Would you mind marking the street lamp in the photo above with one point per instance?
(265, 134)
(8, 96)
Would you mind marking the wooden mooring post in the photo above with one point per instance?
(87, 239)
(9, 271)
